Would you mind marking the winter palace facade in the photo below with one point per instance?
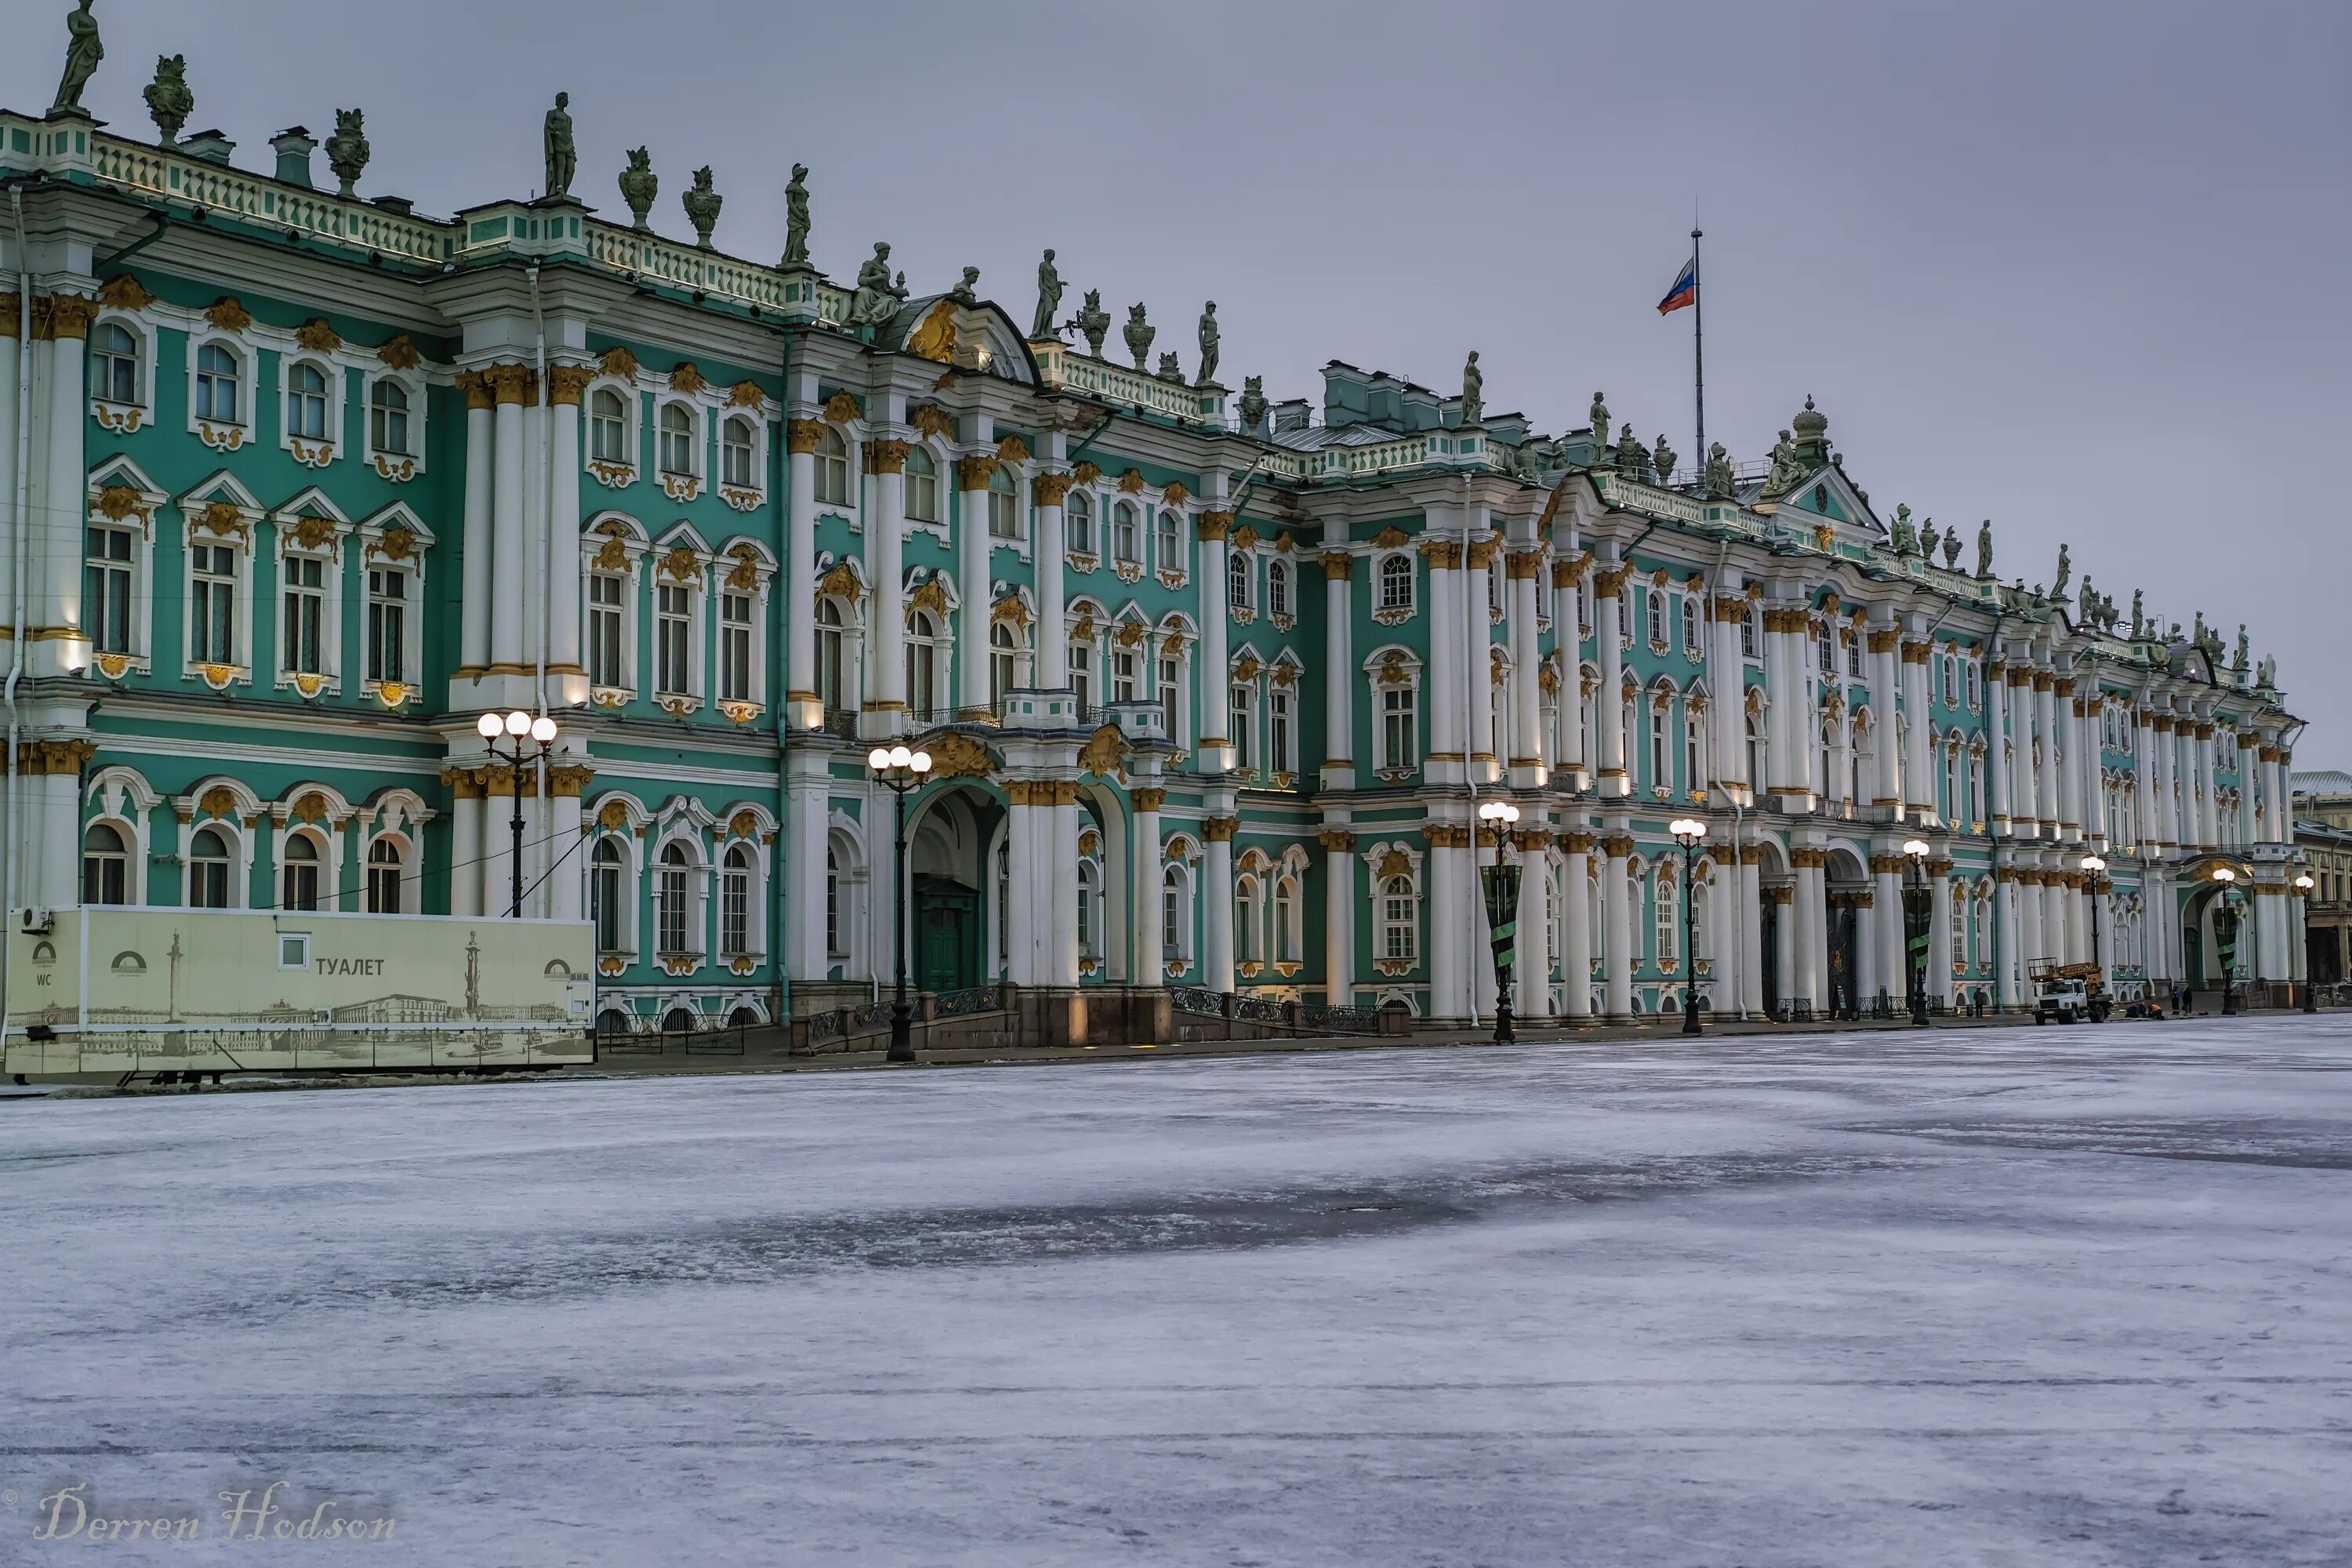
(299, 483)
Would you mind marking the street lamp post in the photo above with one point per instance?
(1690, 832)
(2095, 868)
(2303, 884)
(1502, 912)
(519, 727)
(1917, 906)
(901, 772)
(2225, 937)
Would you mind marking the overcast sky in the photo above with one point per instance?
(2077, 268)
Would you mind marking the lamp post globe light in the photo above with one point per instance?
(1916, 908)
(1502, 912)
(2094, 866)
(1690, 832)
(517, 727)
(2225, 938)
(2303, 885)
(901, 772)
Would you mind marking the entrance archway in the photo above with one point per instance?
(949, 832)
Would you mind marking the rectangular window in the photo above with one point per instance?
(1690, 625)
(306, 604)
(604, 631)
(106, 590)
(1747, 637)
(1278, 733)
(1122, 675)
(1082, 676)
(1238, 729)
(735, 911)
(735, 647)
(387, 624)
(671, 621)
(1171, 691)
(1399, 736)
(212, 604)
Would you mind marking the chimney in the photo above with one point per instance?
(293, 146)
(210, 145)
(1291, 415)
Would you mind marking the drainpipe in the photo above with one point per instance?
(22, 502)
(1470, 667)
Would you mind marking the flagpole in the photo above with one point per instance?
(1698, 349)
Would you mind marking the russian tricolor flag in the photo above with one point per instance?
(1685, 291)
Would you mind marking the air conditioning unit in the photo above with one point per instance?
(37, 922)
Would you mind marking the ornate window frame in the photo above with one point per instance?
(397, 467)
(681, 560)
(685, 487)
(125, 418)
(1389, 861)
(220, 512)
(224, 436)
(749, 568)
(613, 475)
(613, 546)
(310, 453)
(311, 527)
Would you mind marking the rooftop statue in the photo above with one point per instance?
(347, 150)
(1253, 404)
(1632, 457)
(2065, 570)
(1049, 298)
(1208, 344)
(169, 101)
(1984, 549)
(562, 157)
(1598, 419)
(967, 290)
(1093, 322)
(796, 217)
(1786, 473)
(1951, 549)
(2139, 622)
(1172, 369)
(1904, 538)
(2086, 602)
(1719, 481)
(1138, 333)
(701, 204)
(2240, 662)
(1928, 543)
(876, 299)
(2266, 673)
(640, 184)
(83, 51)
(1662, 456)
(1473, 390)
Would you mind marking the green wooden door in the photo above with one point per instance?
(946, 935)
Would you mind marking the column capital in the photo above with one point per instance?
(63, 316)
(1147, 801)
(1577, 841)
(1048, 489)
(973, 473)
(886, 456)
(1338, 840)
(512, 383)
(1211, 525)
(1220, 829)
(1618, 846)
(476, 387)
(1337, 566)
(567, 383)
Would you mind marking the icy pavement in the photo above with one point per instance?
(2017, 1297)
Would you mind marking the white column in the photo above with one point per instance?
(1939, 931)
(1441, 692)
(11, 366)
(1884, 683)
(1995, 751)
(1213, 707)
(1617, 958)
(1784, 944)
(1062, 862)
(1919, 772)
(801, 709)
(1144, 909)
(1523, 569)
(465, 840)
(1217, 895)
(2009, 935)
(564, 563)
(1752, 956)
(1341, 680)
(481, 459)
(2065, 713)
(886, 885)
(53, 597)
(1612, 778)
(1339, 917)
(2249, 762)
(1047, 550)
(1024, 919)
(1886, 899)
(1441, 884)
(972, 552)
(497, 841)
(513, 384)
(808, 799)
(1531, 971)
(1813, 927)
(886, 523)
(530, 592)
(1576, 892)
(1571, 760)
(2281, 768)
(1729, 714)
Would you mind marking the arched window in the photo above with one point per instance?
(1748, 644)
(1003, 505)
(735, 902)
(922, 486)
(606, 868)
(1670, 914)
(1289, 942)
(1662, 749)
(1827, 643)
(1124, 545)
(1082, 674)
(922, 665)
(1694, 747)
(1249, 943)
(1241, 705)
(832, 902)
(300, 886)
(1396, 582)
(1656, 605)
(735, 453)
(1400, 924)
(677, 446)
(388, 419)
(218, 374)
(1277, 588)
(1758, 750)
(114, 364)
(383, 876)
(1171, 541)
(670, 900)
(1175, 916)
(1690, 625)
(1237, 580)
(608, 426)
(832, 467)
(208, 870)
(1399, 729)
(1004, 651)
(1089, 914)
(612, 1022)
(105, 866)
(829, 655)
(306, 401)
(1078, 521)
(678, 1021)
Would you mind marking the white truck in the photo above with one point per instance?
(2067, 993)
